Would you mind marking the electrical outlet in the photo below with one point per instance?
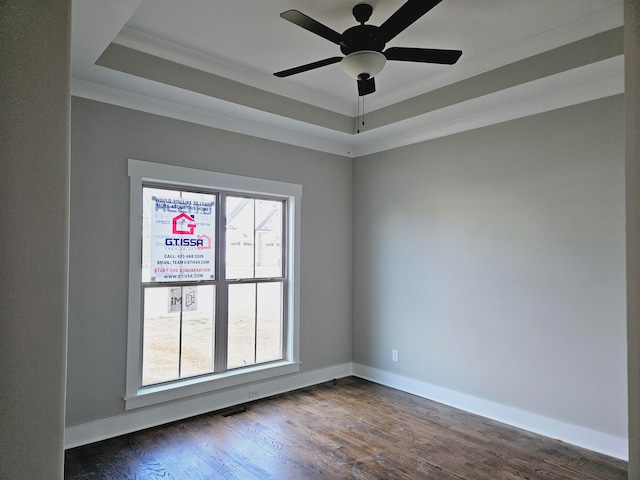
(254, 393)
(394, 355)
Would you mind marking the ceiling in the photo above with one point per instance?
(212, 62)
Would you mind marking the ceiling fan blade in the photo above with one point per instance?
(308, 66)
(366, 86)
(308, 23)
(425, 55)
(408, 13)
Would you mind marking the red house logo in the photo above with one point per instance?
(206, 242)
(183, 224)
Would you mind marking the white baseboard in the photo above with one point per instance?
(135, 420)
(607, 444)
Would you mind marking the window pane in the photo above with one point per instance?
(239, 232)
(268, 239)
(197, 330)
(269, 324)
(161, 338)
(255, 323)
(241, 347)
(178, 332)
(254, 238)
(178, 235)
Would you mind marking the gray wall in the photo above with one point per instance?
(34, 214)
(494, 261)
(103, 138)
(632, 125)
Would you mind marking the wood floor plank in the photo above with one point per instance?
(298, 444)
(354, 429)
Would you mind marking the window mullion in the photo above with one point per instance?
(222, 304)
(180, 336)
(255, 301)
(255, 325)
(255, 239)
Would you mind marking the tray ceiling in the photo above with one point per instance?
(211, 61)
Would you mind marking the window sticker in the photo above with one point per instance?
(183, 299)
(182, 234)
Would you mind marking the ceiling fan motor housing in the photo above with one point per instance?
(361, 37)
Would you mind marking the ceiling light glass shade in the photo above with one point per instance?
(363, 62)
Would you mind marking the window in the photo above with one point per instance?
(212, 283)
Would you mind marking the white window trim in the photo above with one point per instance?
(139, 172)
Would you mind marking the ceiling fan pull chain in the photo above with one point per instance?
(358, 116)
(363, 110)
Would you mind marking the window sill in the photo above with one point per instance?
(152, 395)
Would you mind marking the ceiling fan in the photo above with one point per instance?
(364, 45)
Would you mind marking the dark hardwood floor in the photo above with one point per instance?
(351, 429)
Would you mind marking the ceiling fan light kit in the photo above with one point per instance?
(364, 45)
(363, 64)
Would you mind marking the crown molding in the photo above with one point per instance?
(244, 120)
